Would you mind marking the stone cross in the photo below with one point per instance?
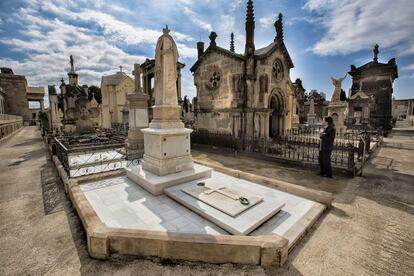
(137, 77)
(221, 190)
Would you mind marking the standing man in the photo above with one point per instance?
(325, 148)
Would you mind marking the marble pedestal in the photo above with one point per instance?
(337, 111)
(156, 184)
(311, 118)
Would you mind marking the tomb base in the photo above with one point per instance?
(156, 184)
(167, 151)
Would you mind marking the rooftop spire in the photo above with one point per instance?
(249, 28)
(376, 51)
(279, 28)
(232, 42)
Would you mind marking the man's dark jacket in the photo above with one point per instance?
(328, 137)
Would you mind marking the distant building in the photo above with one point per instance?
(114, 89)
(402, 109)
(55, 113)
(375, 80)
(17, 95)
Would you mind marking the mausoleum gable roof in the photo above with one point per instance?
(375, 68)
(114, 79)
(269, 49)
(215, 49)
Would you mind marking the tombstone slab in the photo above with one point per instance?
(221, 210)
(222, 198)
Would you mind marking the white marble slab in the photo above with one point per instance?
(222, 198)
(121, 203)
(244, 222)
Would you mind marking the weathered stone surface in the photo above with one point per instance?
(166, 141)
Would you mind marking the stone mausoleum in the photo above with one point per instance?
(249, 94)
(375, 80)
(114, 89)
(80, 114)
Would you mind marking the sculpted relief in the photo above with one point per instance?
(277, 70)
(213, 77)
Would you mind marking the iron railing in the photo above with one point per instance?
(297, 145)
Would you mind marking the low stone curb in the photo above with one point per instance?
(102, 241)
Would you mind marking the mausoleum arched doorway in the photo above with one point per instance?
(276, 114)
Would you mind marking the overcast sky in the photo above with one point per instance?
(323, 37)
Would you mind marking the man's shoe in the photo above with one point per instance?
(329, 176)
(320, 174)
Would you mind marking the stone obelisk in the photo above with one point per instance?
(138, 118)
(311, 116)
(166, 141)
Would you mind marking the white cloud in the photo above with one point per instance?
(196, 20)
(409, 67)
(354, 25)
(266, 21)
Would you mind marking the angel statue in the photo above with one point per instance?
(336, 96)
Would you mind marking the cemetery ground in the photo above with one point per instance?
(368, 231)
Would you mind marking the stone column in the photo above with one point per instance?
(42, 105)
(138, 118)
(179, 85)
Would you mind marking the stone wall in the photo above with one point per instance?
(9, 124)
(14, 86)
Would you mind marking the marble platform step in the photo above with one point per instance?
(156, 184)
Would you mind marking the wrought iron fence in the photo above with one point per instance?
(86, 156)
(301, 145)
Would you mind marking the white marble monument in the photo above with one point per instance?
(167, 158)
(311, 116)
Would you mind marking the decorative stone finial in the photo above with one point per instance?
(279, 28)
(232, 42)
(72, 66)
(212, 38)
(166, 30)
(376, 51)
